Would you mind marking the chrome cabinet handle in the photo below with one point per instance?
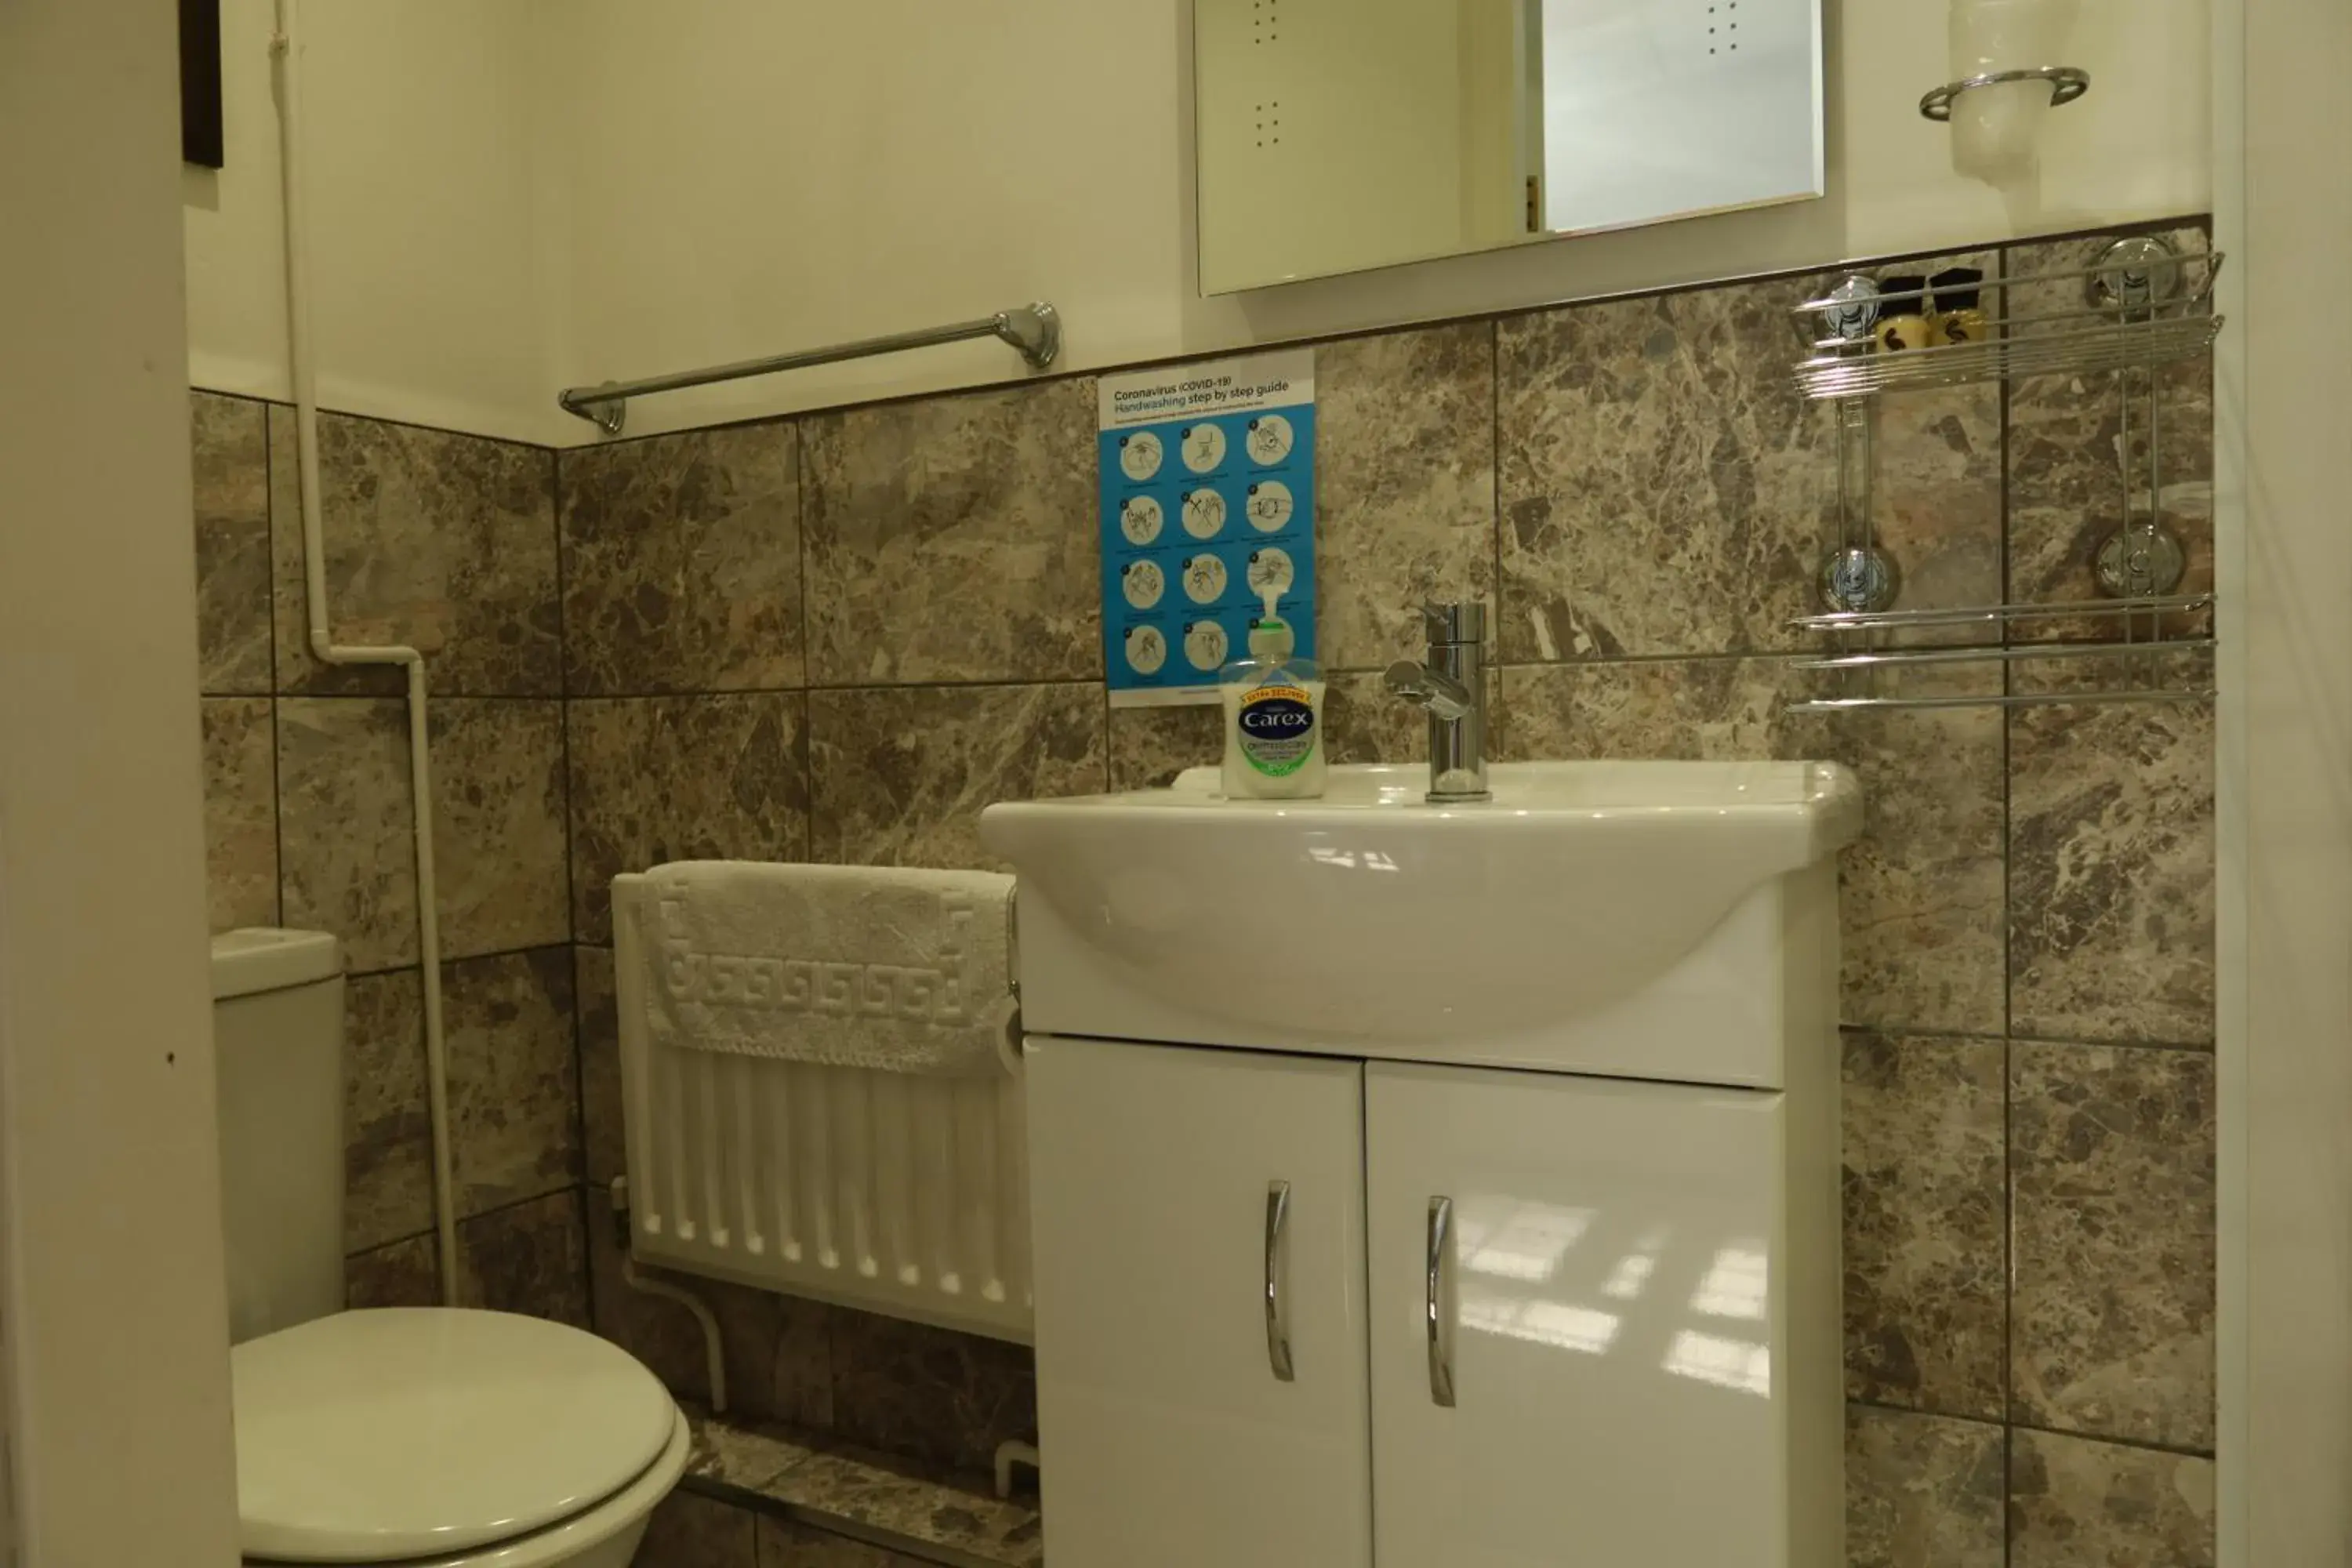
(1441, 1358)
(1278, 1327)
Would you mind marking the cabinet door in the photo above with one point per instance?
(1174, 1433)
(1607, 1313)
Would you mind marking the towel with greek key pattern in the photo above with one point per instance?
(898, 971)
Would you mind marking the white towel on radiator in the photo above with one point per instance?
(900, 970)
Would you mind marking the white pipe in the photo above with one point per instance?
(328, 651)
(1009, 1453)
(714, 1354)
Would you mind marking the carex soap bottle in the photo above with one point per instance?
(1274, 716)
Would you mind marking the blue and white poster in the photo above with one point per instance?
(1208, 501)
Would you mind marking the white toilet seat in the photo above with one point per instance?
(439, 1435)
(605, 1536)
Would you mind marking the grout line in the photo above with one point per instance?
(1502, 741)
(466, 1220)
(801, 542)
(2009, 674)
(2140, 1443)
(438, 697)
(2009, 983)
(805, 744)
(570, 900)
(415, 967)
(277, 824)
(2008, 1495)
(277, 764)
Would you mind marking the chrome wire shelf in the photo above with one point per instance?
(2128, 318)
(2141, 662)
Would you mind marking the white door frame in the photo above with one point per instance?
(115, 1409)
(2283, 124)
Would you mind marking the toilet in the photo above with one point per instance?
(432, 1437)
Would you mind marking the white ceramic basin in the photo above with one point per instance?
(1373, 922)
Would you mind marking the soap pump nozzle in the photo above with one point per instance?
(1270, 635)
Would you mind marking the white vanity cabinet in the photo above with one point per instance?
(1182, 1434)
(1437, 1186)
(1585, 1345)
(1530, 1318)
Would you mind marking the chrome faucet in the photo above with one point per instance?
(1452, 684)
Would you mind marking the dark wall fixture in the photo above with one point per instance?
(200, 82)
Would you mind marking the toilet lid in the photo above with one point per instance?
(373, 1437)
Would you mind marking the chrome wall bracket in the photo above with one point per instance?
(2136, 277)
(2066, 84)
(603, 407)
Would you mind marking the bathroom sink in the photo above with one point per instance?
(1550, 924)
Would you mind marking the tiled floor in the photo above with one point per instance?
(880, 1512)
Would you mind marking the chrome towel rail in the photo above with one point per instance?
(1035, 329)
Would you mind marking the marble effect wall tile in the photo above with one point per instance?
(745, 1455)
(782, 1358)
(681, 778)
(2112, 855)
(688, 1531)
(2112, 1198)
(498, 839)
(899, 777)
(1664, 490)
(232, 505)
(954, 539)
(530, 1259)
(1685, 710)
(387, 1126)
(1920, 894)
(682, 563)
(240, 811)
(1922, 1492)
(442, 541)
(660, 1332)
(404, 1274)
(2074, 1504)
(1150, 746)
(778, 1349)
(1937, 483)
(1363, 722)
(514, 1086)
(930, 1393)
(1927, 1285)
(2068, 448)
(932, 1513)
(347, 826)
(1405, 486)
(602, 1132)
(784, 1544)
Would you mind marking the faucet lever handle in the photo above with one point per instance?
(1426, 688)
(1458, 622)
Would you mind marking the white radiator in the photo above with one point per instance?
(897, 1193)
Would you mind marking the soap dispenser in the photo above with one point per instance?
(1274, 716)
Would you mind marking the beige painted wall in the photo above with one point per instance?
(781, 175)
(430, 304)
(2284, 520)
(114, 1302)
(516, 194)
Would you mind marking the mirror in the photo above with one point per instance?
(1335, 135)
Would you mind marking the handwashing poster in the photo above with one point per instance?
(1208, 501)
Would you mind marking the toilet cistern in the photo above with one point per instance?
(1450, 683)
